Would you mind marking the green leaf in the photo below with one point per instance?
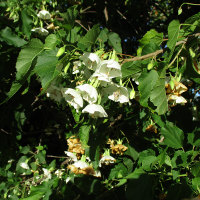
(131, 69)
(70, 16)
(90, 38)
(190, 72)
(26, 23)
(24, 64)
(151, 36)
(147, 81)
(34, 197)
(41, 157)
(84, 133)
(194, 138)
(158, 120)
(173, 135)
(135, 174)
(103, 36)
(173, 33)
(11, 38)
(196, 183)
(73, 35)
(115, 42)
(158, 97)
(147, 159)
(46, 67)
(180, 159)
(51, 42)
(25, 149)
(118, 171)
(195, 169)
(132, 152)
(150, 48)
(43, 189)
(26, 57)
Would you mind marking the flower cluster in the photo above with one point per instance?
(117, 147)
(80, 164)
(97, 74)
(44, 15)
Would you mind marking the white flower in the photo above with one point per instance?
(106, 160)
(101, 77)
(73, 97)
(95, 110)
(24, 165)
(88, 92)
(71, 155)
(41, 31)
(117, 93)
(47, 174)
(76, 66)
(97, 174)
(67, 179)
(54, 93)
(80, 164)
(43, 14)
(90, 60)
(110, 68)
(59, 173)
(175, 99)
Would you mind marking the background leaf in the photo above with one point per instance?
(26, 23)
(90, 38)
(115, 41)
(46, 67)
(84, 133)
(173, 135)
(51, 41)
(131, 68)
(11, 38)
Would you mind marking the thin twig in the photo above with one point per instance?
(154, 54)
(78, 22)
(82, 11)
(121, 15)
(50, 156)
(2, 130)
(176, 56)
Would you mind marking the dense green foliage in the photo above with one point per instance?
(109, 85)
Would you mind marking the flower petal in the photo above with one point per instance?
(95, 110)
(88, 92)
(90, 60)
(72, 97)
(43, 14)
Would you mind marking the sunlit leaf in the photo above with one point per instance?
(90, 38)
(46, 67)
(146, 83)
(173, 136)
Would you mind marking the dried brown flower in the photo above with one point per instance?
(75, 146)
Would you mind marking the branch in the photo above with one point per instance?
(154, 54)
